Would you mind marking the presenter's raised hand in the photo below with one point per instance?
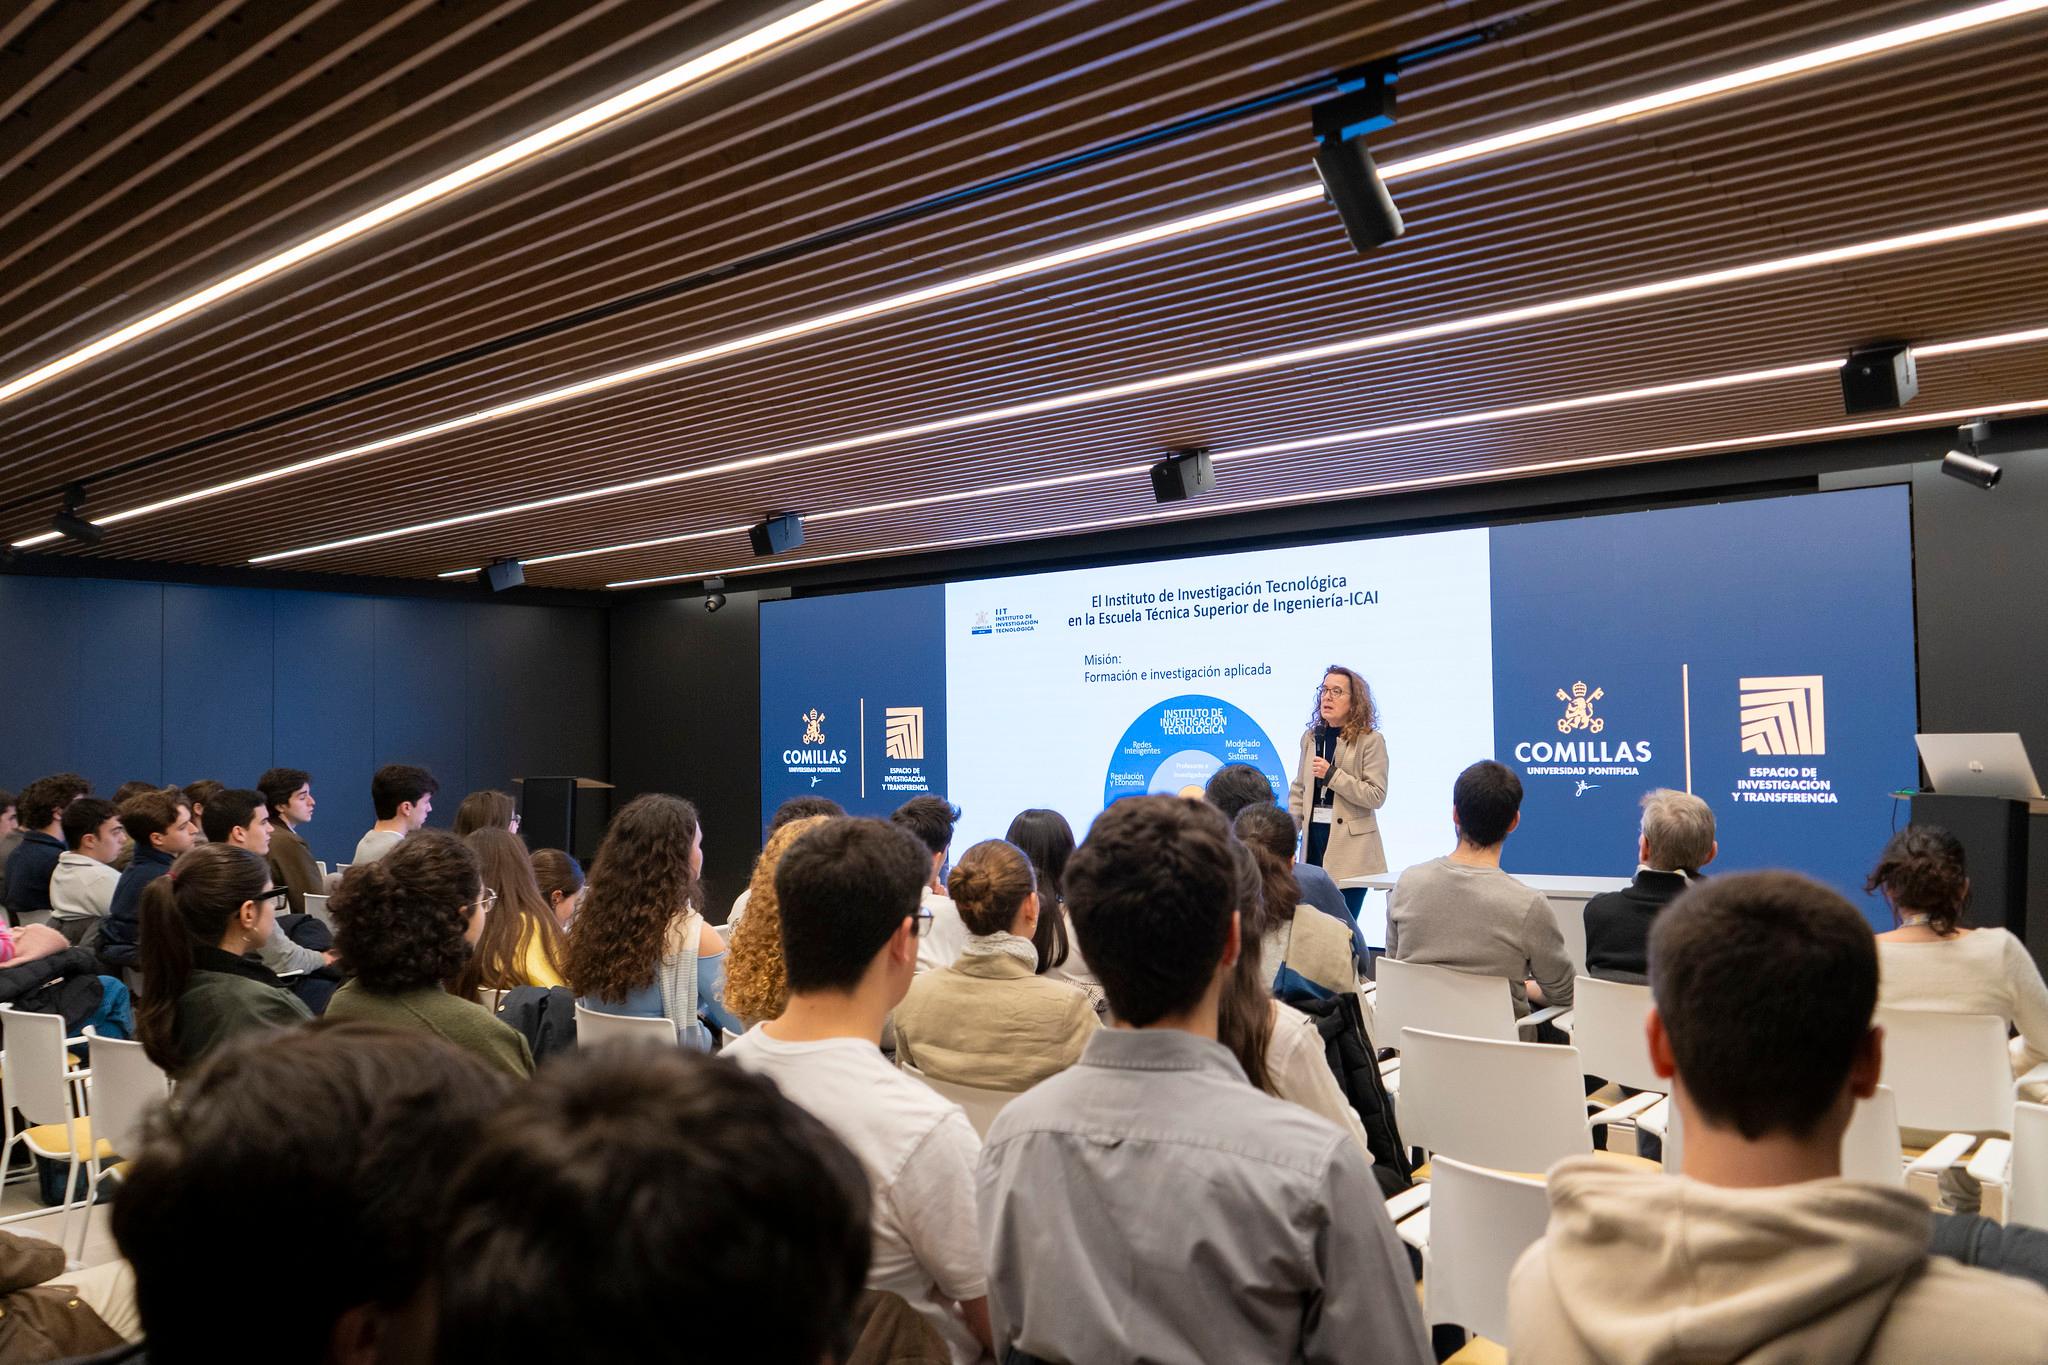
(1321, 767)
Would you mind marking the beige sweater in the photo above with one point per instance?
(987, 1021)
(1981, 971)
(1640, 1268)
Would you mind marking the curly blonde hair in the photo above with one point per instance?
(755, 986)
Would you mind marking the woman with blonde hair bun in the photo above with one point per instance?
(755, 987)
(989, 1020)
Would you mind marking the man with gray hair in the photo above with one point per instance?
(1677, 841)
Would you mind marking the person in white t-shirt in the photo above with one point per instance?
(848, 893)
(931, 819)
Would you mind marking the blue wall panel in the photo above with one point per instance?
(325, 712)
(116, 726)
(40, 621)
(218, 684)
(423, 693)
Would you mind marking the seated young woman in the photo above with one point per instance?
(405, 925)
(756, 986)
(521, 945)
(200, 989)
(1048, 841)
(1311, 951)
(642, 947)
(1278, 1046)
(560, 878)
(990, 1020)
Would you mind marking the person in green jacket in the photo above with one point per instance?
(199, 990)
(405, 926)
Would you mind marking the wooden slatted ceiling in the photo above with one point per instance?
(126, 197)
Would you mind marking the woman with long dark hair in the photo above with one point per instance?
(560, 878)
(642, 946)
(1297, 951)
(1048, 841)
(1340, 782)
(521, 944)
(486, 810)
(200, 990)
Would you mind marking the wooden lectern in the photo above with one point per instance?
(548, 813)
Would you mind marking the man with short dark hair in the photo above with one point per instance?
(1676, 840)
(1232, 1226)
(1463, 913)
(1233, 788)
(1764, 984)
(41, 809)
(932, 819)
(288, 793)
(351, 1133)
(82, 884)
(241, 817)
(848, 893)
(583, 1217)
(403, 796)
(159, 825)
(788, 813)
(120, 797)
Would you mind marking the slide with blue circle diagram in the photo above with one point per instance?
(1758, 653)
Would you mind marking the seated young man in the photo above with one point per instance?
(403, 797)
(848, 892)
(1676, 841)
(583, 1220)
(1463, 913)
(1764, 985)
(241, 817)
(330, 1148)
(159, 825)
(288, 793)
(40, 809)
(83, 882)
(1148, 1203)
(931, 819)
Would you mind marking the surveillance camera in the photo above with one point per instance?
(1970, 469)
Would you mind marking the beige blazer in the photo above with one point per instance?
(987, 1021)
(1358, 787)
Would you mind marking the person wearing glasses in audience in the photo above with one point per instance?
(1340, 782)
(405, 925)
(199, 921)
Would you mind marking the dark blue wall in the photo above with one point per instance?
(166, 682)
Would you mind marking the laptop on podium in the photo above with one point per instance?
(1979, 765)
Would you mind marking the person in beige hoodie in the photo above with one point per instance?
(1759, 1251)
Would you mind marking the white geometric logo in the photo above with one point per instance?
(1784, 716)
(903, 732)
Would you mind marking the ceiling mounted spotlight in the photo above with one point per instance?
(1350, 180)
(777, 534)
(70, 525)
(714, 593)
(1183, 474)
(504, 573)
(1964, 463)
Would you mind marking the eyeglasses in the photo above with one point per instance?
(920, 922)
(276, 893)
(486, 901)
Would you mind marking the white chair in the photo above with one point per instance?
(1606, 1022)
(316, 906)
(1952, 1074)
(1412, 995)
(494, 1001)
(1870, 1146)
(1480, 1222)
(1570, 915)
(594, 1028)
(35, 1079)
(982, 1106)
(2020, 1164)
(726, 1037)
(1510, 1106)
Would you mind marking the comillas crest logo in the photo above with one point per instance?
(814, 757)
(1582, 758)
(814, 726)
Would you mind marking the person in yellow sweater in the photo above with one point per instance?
(522, 943)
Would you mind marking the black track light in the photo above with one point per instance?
(1964, 462)
(1350, 180)
(70, 525)
(714, 593)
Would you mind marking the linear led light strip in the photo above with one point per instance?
(1684, 284)
(1890, 40)
(656, 87)
(1364, 489)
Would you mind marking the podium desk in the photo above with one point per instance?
(1567, 897)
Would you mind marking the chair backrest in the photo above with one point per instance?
(494, 1000)
(32, 1077)
(1870, 1147)
(124, 1086)
(1480, 1221)
(1511, 1106)
(594, 1027)
(1607, 1029)
(1412, 995)
(316, 906)
(2026, 1197)
(1570, 915)
(1951, 1072)
(982, 1106)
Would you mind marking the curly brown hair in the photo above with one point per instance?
(756, 986)
(1365, 715)
(520, 915)
(640, 882)
(1922, 872)
(402, 922)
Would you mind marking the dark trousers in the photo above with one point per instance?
(1318, 842)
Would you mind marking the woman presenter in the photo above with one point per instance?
(1341, 780)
